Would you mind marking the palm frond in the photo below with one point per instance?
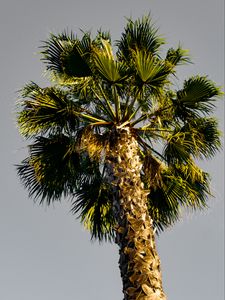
(151, 71)
(205, 136)
(196, 97)
(102, 35)
(199, 137)
(65, 54)
(195, 183)
(46, 109)
(164, 202)
(106, 65)
(182, 185)
(51, 170)
(94, 143)
(178, 56)
(139, 34)
(92, 201)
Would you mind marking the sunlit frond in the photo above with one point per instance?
(195, 183)
(94, 144)
(197, 97)
(105, 63)
(151, 70)
(205, 136)
(178, 56)
(199, 137)
(183, 185)
(46, 109)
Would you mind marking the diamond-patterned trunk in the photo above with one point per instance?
(139, 262)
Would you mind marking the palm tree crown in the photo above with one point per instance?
(98, 89)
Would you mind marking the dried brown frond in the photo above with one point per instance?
(152, 168)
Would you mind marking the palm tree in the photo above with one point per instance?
(113, 135)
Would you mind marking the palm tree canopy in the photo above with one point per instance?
(97, 88)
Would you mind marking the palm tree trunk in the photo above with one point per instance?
(139, 262)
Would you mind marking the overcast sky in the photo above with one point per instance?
(45, 254)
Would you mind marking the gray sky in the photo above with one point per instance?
(44, 252)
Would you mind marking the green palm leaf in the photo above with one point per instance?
(140, 34)
(177, 56)
(110, 69)
(204, 136)
(197, 96)
(92, 202)
(66, 55)
(150, 70)
(51, 170)
(199, 138)
(47, 109)
(180, 186)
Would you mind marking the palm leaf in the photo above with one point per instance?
(140, 34)
(151, 71)
(195, 183)
(180, 186)
(51, 170)
(205, 137)
(46, 109)
(199, 138)
(178, 56)
(197, 96)
(66, 55)
(92, 201)
(105, 63)
(179, 147)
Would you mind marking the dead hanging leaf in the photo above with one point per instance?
(133, 278)
(155, 283)
(154, 296)
(130, 291)
(129, 251)
(140, 264)
(120, 229)
(145, 234)
(137, 224)
(147, 290)
(138, 279)
(142, 278)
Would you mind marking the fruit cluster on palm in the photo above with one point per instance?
(113, 135)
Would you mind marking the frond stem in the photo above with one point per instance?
(117, 104)
(145, 116)
(101, 123)
(111, 111)
(134, 113)
(91, 118)
(145, 128)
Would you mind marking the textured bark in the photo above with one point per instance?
(139, 262)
